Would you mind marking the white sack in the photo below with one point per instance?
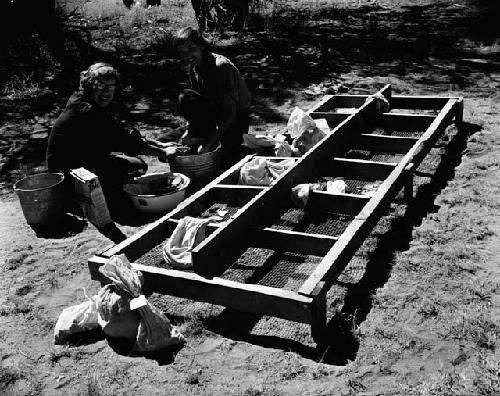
(299, 122)
(76, 319)
(305, 131)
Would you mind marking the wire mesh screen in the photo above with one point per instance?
(295, 219)
(282, 270)
(221, 210)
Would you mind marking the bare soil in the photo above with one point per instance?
(417, 311)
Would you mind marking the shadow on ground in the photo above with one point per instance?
(437, 46)
(340, 343)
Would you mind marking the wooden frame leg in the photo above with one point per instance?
(459, 117)
(318, 323)
(408, 184)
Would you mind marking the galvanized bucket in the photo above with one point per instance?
(42, 197)
(200, 168)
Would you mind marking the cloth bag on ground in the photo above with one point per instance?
(190, 231)
(124, 295)
(76, 319)
(262, 172)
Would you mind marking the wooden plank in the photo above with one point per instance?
(359, 169)
(318, 322)
(342, 101)
(337, 258)
(292, 241)
(429, 138)
(243, 297)
(404, 121)
(216, 253)
(418, 102)
(459, 117)
(384, 143)
(323, 201)
(333, 119)
(348, 101)
(422, 102)
(235, 193)
(324, 102)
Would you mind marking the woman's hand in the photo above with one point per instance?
(165, 152)
(192, 142)
(209, 145)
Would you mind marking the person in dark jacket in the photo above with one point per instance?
(217, 103)
(87, 135)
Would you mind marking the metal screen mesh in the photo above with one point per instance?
(281, 270)
(331, 224)
(216, 209)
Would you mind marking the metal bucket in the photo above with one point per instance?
(200, 168)
(42, 197)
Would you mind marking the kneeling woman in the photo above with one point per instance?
(86, 135)
(217, 104)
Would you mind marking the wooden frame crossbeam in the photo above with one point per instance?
(353, 118)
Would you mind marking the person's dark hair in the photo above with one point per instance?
(190, 34)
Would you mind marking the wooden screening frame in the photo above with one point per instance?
(222, 246)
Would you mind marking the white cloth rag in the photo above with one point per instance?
(190, 231)
(300, 193)
(262, 172)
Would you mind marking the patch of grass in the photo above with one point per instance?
(354, 386)
(35, 386)
(475, 326)
(441, 383)
(52, 281)
(55, 355)
(488, 380)
(8, 376)
(78, 354)
(94, 387)
(192, 327)
(193, 378)
(103, 9)
(16, 308)
(428, 309)
(21, 87)
(293, 368)
(253, 392)
(23, 290)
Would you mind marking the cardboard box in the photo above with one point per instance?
(89, 193)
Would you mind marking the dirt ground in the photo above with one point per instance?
(417, 312)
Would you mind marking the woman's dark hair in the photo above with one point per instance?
(190, 34)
